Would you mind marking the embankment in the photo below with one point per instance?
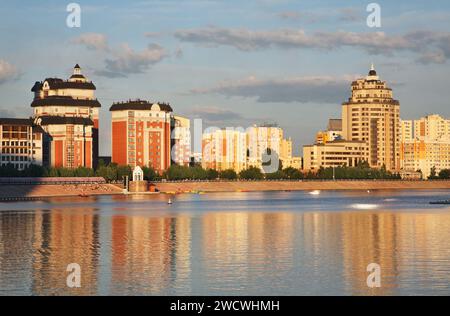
(29, 191)
(249, 186)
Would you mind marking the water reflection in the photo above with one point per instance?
(143, 246)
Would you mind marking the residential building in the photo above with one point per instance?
(425, 154)
(224, 149)
(181, 141)
(372, 115)
(68, 112)
(141, 134)
(332, 133)
(431, 126)
(425, 144)
(407, 130)
(334, 154)
(21, 143)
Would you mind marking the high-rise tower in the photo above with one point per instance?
(373, 116)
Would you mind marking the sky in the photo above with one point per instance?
(232, 63)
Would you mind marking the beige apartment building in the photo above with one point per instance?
(261, 138)
(334, 154)
(372, 115)
(224, 149)
(181, 141)
(425, 154)
(425, 144)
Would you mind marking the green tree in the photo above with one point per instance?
(228, 174)
(212, 174)
(277, 175)
(292, 173)
(444, 174)
(150, 174)
(433, 173)
(251, 173)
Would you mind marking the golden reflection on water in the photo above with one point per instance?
(224, 252)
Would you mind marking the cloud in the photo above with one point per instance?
(93, 41)
(432, 58)
(127, 61)
(373, 42)
(351, 15)
(319, 89)
(214, 114)
(308, 17)
(178, 52)
(7, 71)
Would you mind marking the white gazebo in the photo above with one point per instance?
(138, 174)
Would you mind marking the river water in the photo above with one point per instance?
(263, 243)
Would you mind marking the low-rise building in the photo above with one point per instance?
(425, 154)
(21, 143)
(334, 154)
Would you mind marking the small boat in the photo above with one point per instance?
(169, 202)
(446, 202)
(83, 195)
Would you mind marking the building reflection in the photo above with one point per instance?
(62, 237)
(400, 243)
(150, 253)
(16, 249)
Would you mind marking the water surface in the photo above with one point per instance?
(271, 243)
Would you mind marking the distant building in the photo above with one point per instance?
(407, 128)
(181, 141)
(68, 112)
(265, 139)
(424, 154)
(224, 149)
(333, 132)
(372, 115)
(21, 143)
(425, 145)
(141, 134)
(334, 154)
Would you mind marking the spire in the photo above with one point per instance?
(77, 70)
(372, 73)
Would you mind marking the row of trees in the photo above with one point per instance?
(114, 172)
(442, 175)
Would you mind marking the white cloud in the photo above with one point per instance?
(94, 41)
(372, 42)
(128, 61)
(7, 71)
(319, 89)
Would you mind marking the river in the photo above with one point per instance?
(261, 243)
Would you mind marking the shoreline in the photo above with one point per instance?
(25, 192)
(261, 186)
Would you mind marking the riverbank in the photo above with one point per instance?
(29, 191)
(251, 186)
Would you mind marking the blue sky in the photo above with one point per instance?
(232, 63)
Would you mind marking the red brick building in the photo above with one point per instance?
(141, 134)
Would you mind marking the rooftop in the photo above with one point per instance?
(139, 105)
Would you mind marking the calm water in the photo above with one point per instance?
(281, 243)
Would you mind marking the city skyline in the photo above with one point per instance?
(204, 64)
